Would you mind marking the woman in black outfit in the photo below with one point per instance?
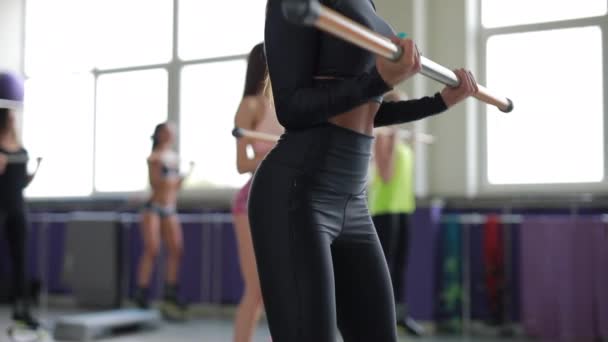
(13, 179)
(318, 255)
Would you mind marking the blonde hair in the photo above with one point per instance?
(267, 92)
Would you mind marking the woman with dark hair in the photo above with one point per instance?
(13, 179)
(159, 217)
(318, 255)
(256, 113)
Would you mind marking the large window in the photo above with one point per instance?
(58, 37)
(219, 28)
(102, 73)
(553, 68)
(500, 13)
(208, 117)
(213, 43)
(129, 105)
(133, 32)
(58, 126)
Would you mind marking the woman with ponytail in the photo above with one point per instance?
(255, 113)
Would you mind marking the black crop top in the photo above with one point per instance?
(12, 182)
(297, 54)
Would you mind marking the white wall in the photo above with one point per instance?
(442, 33)
(453, 159)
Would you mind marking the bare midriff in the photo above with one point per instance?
(359, 119)
(165, 193)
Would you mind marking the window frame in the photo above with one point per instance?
(89, 191)
(174, 69)
(243, 58)
(176, 52)
(484, 34)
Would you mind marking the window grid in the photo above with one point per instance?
(173, 67)
(484, 34)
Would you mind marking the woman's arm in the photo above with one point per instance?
(393, 113)
(31, 176)
(384, 151)
(154, 172)
(245, 118)
(292, 55)
(183, 177)
(3, 163)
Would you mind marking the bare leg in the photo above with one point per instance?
(150, 234)
(250, 307)
(173, 309)
(172, 235)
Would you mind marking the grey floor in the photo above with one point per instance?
(202, 330)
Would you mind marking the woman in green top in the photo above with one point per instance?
(391, 201)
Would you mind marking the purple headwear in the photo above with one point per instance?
(11, 90)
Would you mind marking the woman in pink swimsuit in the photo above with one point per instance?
(256, 113)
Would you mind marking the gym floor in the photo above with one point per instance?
(208, 330)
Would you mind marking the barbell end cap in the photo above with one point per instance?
(302, 12)
(509, 108)
(237, 133)
(397, 56)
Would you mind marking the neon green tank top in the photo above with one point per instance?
(396, 196)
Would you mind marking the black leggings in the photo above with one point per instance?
(393, 232)
(15, 229)
(320, 262)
